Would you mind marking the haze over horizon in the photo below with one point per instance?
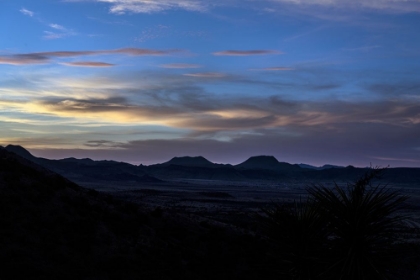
(316, 82)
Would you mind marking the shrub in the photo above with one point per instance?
(338, 233)
(361, 220)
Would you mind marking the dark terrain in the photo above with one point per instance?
(184, 219)
(252, 171)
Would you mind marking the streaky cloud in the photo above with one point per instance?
(273, 69)
(206, 75)
(269, 6)
(54, 35)
(88, 64)
(153, 6)
(45, 57)
(401, 6)
(126, 51)
(180, 66)
(398, 159)
(104, 144)
(57, 26)
(245, 52)
(137, 51)
(24, 59)
(27, 12)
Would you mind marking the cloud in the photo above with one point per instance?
(48, 34)
(355, 145)
(116, 110)
(54, 35)
(227, 125)
(206, 75)
(273, 69)
(381, 5)
(153, 6)
(245, 53)
(57, 26)
(115, 22)
(400, 89)
(45, 57)
(24, 59)
(88, 64)
(183, 106)
(103, 144)
(308, 7)
(138, 52)
(180, 66)
(26, 12)
(398, 159)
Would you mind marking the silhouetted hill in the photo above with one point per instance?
(196, 168)
(50, 228)
(255, 168)
(84, 161)
(19, 150)
(259, 162)
(325, 166)
(266, 163)
(86, 170)
(190, 161)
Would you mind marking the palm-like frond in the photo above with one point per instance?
(361, 219)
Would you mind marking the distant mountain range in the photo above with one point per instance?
(266, 168)
(325, 166)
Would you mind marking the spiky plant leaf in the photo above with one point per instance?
(361, 219)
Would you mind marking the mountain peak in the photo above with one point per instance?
(189, 161)
(20, 151)
(260, 162)
(263, 159)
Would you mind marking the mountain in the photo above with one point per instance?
(259, 168)
(190, 161)
(328, 166)
(197, 168)
(307, 166)
(50, 228)
(19, 150)
(325, 166)
(266, 163)
(86, 170)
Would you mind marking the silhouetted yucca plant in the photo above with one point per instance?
(361, 220)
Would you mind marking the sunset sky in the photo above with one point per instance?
(142, 81)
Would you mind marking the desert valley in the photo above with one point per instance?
(187, 218)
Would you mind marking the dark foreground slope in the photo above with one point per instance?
(50, 228)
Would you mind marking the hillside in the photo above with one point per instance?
(53, 229)
(85, 170)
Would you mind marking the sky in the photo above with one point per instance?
(142, 81)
